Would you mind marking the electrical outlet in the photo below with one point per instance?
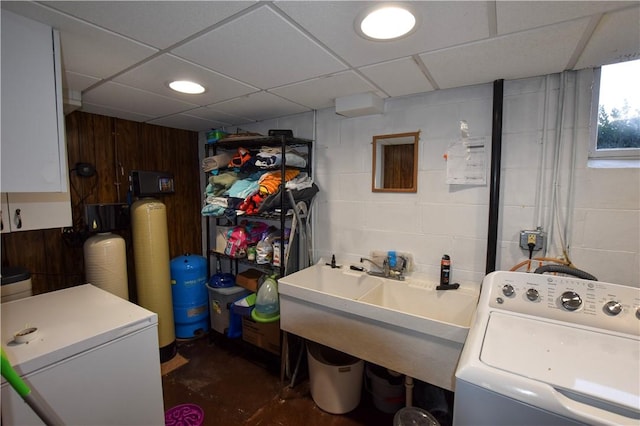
(534, 237)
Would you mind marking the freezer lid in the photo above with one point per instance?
(68, 322)
(581, 362)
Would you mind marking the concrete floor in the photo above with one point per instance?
(236, 383)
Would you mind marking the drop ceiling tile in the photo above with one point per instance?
(442, 24)
(155, 75)
(259, 106)
(86, 49)
(515, 16)
(207, 113)
(513, 56)
(303, 54)
(187, 122)
(156, 23)
(76, 81)
(398, 78)
(113, 112)
(261, 49)
(126, 98)
(615, 39)
(321, 92)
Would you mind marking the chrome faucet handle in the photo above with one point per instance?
(403, 265)
(385, 267)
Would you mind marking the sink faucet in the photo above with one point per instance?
(385, 271)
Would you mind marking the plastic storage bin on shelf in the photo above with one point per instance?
(335, 378)
(190, 309)
(240, 308)
(220, 300)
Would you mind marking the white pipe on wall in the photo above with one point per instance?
(568, 225)
(542, 162)
(556, 160)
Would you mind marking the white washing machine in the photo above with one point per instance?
(550, 350)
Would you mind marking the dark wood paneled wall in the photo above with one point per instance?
(114, 147)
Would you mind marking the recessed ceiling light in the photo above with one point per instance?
(185, 86)
(387, 23)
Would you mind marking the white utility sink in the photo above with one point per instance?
(407, 326)
(323, 280)
(453, 307)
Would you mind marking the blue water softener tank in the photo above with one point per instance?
(190, 298)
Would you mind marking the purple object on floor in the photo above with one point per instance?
(184, 415)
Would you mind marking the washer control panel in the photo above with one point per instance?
(597, 304)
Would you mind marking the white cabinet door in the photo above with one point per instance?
(37, 210)
(4, 212)
(33, 146)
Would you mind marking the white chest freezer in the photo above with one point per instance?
(94, 358)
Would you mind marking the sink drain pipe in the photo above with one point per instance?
(494, 182)
(408, 391)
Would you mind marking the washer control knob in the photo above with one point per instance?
(570, 300)
(638, 313)
(612, 307)
(532, 294)
(508, 290)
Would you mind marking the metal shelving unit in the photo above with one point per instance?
(281, 215)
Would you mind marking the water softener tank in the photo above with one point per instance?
(153, 275)
(190, 298)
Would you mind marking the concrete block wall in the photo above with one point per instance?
(597, 213)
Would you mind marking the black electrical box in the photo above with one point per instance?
(149, 184)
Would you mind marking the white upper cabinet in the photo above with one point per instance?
(33, 151)
(26, 211)
(34, 176)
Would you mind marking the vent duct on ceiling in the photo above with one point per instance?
(359, 104)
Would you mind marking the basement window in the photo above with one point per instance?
(615, 114)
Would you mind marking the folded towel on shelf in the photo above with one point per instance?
(215, 162)
(270, 181)
(302, 181)
(243, 188)
(270, 160)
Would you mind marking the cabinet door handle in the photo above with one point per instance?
(18, 219)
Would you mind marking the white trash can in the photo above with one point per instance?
(335, 378)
